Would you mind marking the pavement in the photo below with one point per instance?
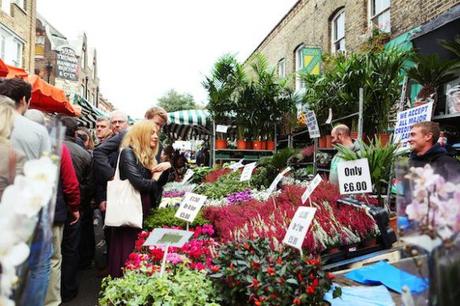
(89, 289)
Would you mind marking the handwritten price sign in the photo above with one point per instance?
(299, 226)
(354, 176)
(190, 206)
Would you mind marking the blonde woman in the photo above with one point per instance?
(137, 164)
(11, 161)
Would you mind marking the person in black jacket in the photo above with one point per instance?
(146, 176)
(425, 150)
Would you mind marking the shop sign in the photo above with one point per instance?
(407, 119)
(188, 175)
(298, 228)
(66, 64)
(190, 206)
(354, 176)
(161, 237)
(247, 172)
(312, 125)
(278, 179)
(311, 187)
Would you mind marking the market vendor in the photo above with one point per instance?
(340, 135)
(426, 150)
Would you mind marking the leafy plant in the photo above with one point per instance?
(255, 272)
(182, 287)
(164, 217)
(453, 46)
(225, 185)
(264, 176)
(200, 173)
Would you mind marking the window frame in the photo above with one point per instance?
(335, 41)
(281, 68)
(299, 65)
(373, 18)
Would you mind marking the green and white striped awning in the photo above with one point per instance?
(89, 113)
(188, 124)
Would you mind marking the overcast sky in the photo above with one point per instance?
(146, 47)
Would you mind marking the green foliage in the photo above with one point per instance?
(225, 185)
(174, 101)
(254, 271)
(162, 217)
(264, 176)
(453, 46)
(181, 287)
(279, 159)
(199, 174)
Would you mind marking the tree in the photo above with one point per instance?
(173, 101)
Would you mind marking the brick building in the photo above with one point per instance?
(314, 27)
(17, 33)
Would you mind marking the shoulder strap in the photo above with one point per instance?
(117, 169)
(11, 165)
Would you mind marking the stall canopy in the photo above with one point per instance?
(3, 69)
(89, 113)
(49, 98)
(188, 124)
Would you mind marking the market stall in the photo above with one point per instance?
(188, 124)
(89, 113)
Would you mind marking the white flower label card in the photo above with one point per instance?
(190, 206)
(311, 187)
(354, 176)
(247, 172)
(299, 226)
(277, 179)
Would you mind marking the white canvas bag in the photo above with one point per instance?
(124, 206)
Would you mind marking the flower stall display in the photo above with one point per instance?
(174, 192)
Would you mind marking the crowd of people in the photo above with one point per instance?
(85, 168)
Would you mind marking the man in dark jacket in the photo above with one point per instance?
(425, 150)
(80, 234)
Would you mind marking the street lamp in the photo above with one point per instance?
(49, 67)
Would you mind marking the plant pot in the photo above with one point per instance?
(249, 145)
(333, 250)
(241, 145)
(393, 223)
(270, 145)
(370, 242)
(322, 142)
(328, 141)
(384, 138)
(258, 145)
(354, 135)
(264, 145)
(221, 144)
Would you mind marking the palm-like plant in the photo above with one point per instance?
(453, 46)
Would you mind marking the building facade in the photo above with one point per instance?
(17, 33)
(315, 27)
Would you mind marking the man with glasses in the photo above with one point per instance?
(119, 121)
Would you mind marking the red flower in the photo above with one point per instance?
(310, 290)
(255, 283)
(315, 283)
(313, 262)
(271, 271)
(279, 261)
(330, 275)
(297, 301)
(215, 269)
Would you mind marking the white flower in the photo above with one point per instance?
(42, 169)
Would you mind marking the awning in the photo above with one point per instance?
(49, 98)
(3, 69)
(188, 124)
(15, 72)
(89, 113)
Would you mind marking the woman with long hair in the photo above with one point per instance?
(137, 164)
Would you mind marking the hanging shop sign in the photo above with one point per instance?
(190, 207)
(354, 176)
(298, 228)
(312, 124)
(67, 64)
(407, 119)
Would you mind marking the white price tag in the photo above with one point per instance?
(329, 118)
(167, 236)
(247, 172)
(312, 125)
(188, 175)
(190, 206)
(221, 128)
(298, 228)
(354, 176)
(311, 187)
(277, 179)
(237, 165)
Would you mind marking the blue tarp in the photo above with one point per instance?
(361, 296)
(389, 276)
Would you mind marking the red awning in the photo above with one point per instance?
(3, 69)
(15, 72)
(49, 98)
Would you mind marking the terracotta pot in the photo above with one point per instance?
(249, 145)
(384, 138)
(270, 145)
(369, 243)
(354, 135)
(394, 223)
(333, 250)
(221, 144)
(264, 145)
(241, 145)
(328, 141)
(257, 145)
(322, 142)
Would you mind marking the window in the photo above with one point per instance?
(299, 65)
(338, 32)
(2, 46)
(11, 47)
(18, 49)
(6, 6)
(380, 14)
(282, 68)
(20, 3)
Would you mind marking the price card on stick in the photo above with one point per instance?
(312, 125)
(221, 128)
(188, 175)
(354, 176)
(247, 172)
(278, 179)
(238, 165)
(299, 227)
(311, 187)
(161, 237)
(190, 206)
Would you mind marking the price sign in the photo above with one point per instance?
(407, 119)
(299, 226)
(190, 206)
(188, 175)
(247, 172)
(329, 117)
(311, 187)
(237, 165)
(221, 128)
(167, 236)
(312, 125)
(354, 176)
(278, 179)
